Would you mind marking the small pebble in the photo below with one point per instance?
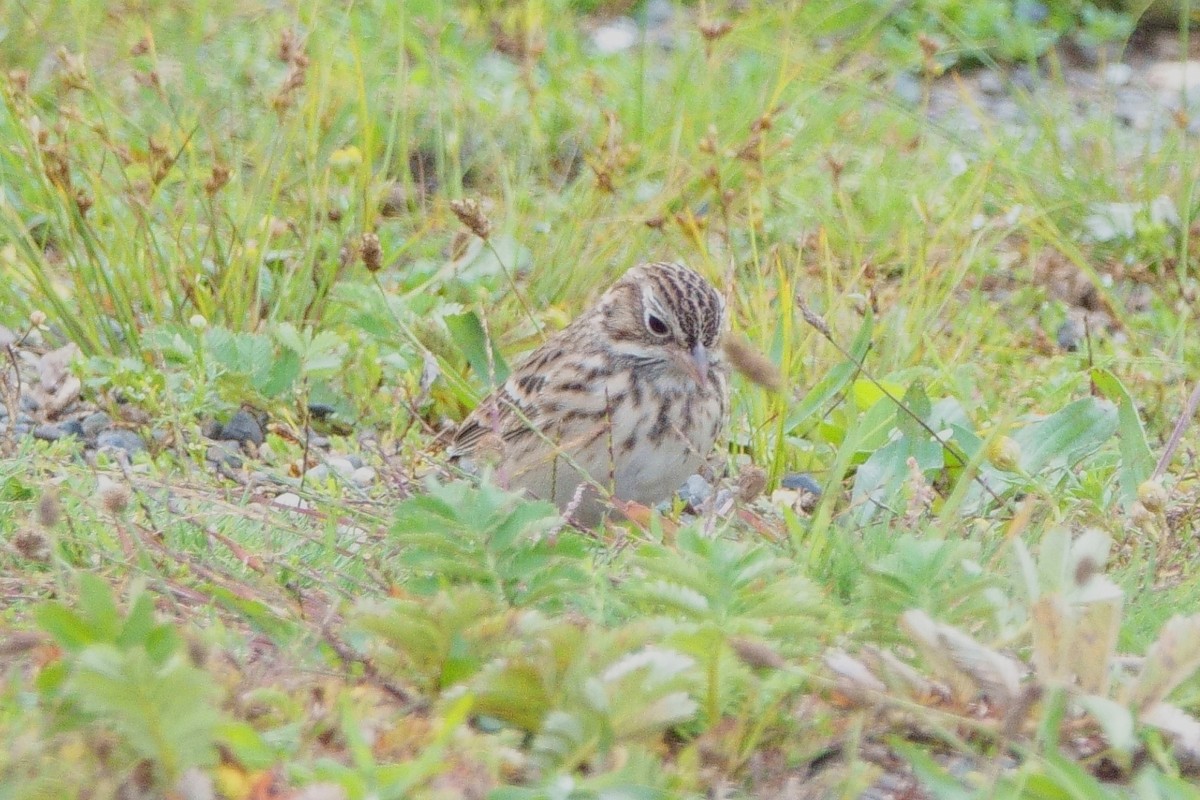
(321, 410)
(363, 476)
(318, 474)
(341, 466)
(695, 490)
(290, 500)
(1118, 74)
(52, 432)
(242, 427)
(801, 481)
(210, 429)
(1069, 335)
(120, 439)
(355, 461)
(317, 440)
(224, 453)
(907, 88)
(93, 424)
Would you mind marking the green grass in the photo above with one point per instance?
(185, 190)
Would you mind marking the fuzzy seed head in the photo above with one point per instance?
(471, 215)
(371, 252)
(113, 496)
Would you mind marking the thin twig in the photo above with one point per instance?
(1185, 417)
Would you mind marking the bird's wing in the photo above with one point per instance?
(503, 412)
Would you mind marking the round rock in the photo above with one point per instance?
(93, 424)
(120, 439)
(800, 481)
(242, 427)
(695, 490)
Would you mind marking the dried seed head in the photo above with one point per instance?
(83, 202)
(929, 45)
(113, 496)
(746, 359)
(216, 179)
(141, 47)
(812, 319)
(371, 252)
(288, 45)
(49, 510)
(37, 318)
(32, 544)
(713, 29)
(757, 654)
(18, 80)
(751, 482)
(471, 215)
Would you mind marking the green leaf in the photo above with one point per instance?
(1137, 462)
(1064, 438)
(468, 334)
(164, 713)
(67, 628)
(283, 374)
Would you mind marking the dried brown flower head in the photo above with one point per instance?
(371, 252)
(751, 482)
(746, 359)
(471, 215)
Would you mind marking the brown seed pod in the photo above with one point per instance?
(748, 360)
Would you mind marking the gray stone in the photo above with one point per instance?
(341, 466)
(120, 439)
(907, 88)
(1069, 334)
(210, 428)
(695, 490)
(363, 476)
(321, 410)
(93, 424)
(52, 432)
(800, 481)
(242, 427)
(224, 453)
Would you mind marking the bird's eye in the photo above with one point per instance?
(657, 326)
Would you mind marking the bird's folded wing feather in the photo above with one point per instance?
(506, 412)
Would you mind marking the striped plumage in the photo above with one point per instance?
(628, 399)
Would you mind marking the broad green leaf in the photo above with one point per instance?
(1067, 436)
(1137, 462)
(468, 334)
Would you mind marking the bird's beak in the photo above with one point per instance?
(699, 364)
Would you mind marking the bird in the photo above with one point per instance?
(625, 402)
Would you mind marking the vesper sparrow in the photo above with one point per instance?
(627, 400)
